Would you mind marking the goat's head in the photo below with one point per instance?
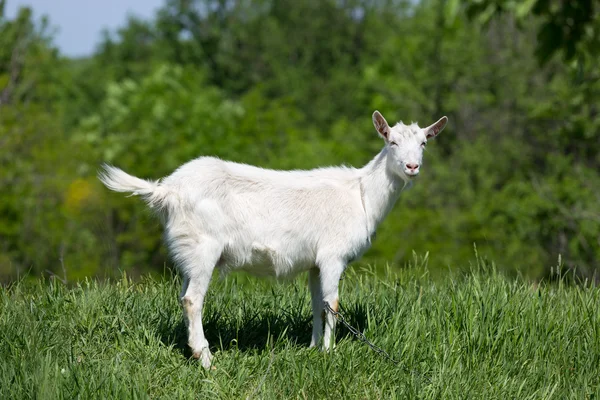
(405, 144)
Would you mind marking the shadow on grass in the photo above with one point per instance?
(253, 331)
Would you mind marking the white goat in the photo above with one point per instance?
(235, 216)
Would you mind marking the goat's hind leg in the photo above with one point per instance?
(197, 264)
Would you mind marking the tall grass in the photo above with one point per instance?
(471, 335)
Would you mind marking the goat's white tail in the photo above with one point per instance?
(118, 180)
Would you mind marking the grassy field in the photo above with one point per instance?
(471, 335)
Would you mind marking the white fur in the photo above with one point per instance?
(235, 216)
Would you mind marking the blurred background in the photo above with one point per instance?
(149, 85)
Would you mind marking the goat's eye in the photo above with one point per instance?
(393, 144)
(423, 144)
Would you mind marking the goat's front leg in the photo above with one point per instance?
(316, 297)
(330, 274)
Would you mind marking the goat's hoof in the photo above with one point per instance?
(205, 357)
(328, 349)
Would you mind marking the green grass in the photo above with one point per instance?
(471, 335)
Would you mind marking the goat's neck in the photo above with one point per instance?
(379, 189)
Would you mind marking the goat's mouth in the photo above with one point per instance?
(411, 173)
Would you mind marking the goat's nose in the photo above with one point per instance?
(412, 167)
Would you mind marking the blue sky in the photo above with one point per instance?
(78, 23)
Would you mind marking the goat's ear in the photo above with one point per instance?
(432, 130)
(381, 125)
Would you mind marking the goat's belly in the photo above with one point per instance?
(262, 260)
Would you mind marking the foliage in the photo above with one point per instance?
(566, 25)
(292, 85)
